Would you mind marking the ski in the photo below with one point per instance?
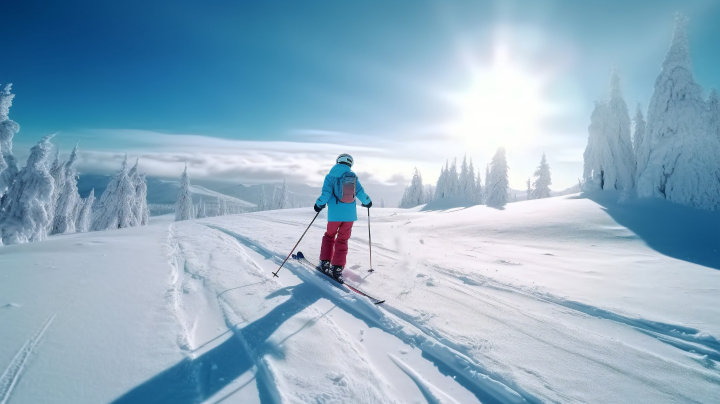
(300, 257)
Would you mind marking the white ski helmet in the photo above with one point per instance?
(344, 158)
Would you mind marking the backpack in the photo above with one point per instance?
(344, 187)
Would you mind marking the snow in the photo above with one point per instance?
(609, 160)
(679, 158)
(578, 298)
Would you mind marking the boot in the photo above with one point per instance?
(325, 267)
(337, 271)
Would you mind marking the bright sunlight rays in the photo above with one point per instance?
(502, 107)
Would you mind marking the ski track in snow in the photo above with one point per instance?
(14, 370)
(430, 392)
(487, 387)
(682, 337)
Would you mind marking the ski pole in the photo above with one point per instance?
(370, 242)
(275, 274)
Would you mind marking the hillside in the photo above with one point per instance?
(573, 299)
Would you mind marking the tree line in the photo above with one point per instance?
(42, 199)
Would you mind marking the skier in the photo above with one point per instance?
(339, 190)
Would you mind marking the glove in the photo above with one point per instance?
(369, 205)
(318, 208)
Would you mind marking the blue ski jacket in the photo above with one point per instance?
(339, 211)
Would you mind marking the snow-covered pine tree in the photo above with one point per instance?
(68, 203)
(441, 187)
(487, 177)
(453, 180)
(25, 211)
(609, 160)
(497, 182)
(274, 201)
(414, 194)
(529, 190)
(222, 204)
(429, 193)
(470, 187)
(8, 129)
(639, 132)
(184, 204)
(114, 208)
(141, 212)
(57, 172)
(463, 178)
(85, 216)
(541, 186)
(479, 190)
(282, 197)
(678, 160)
(262, 204)
(201, 210)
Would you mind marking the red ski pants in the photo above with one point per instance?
(335, 243)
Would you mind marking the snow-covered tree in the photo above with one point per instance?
(639, 132)
(609, 157)
(25, 212)
(479, 190)
(382, 202)
(85, 216)
(414, 194)
(429, 192)
(679, 157)
(68, 204)
(497, 182)
(57, 172)
(222, 208)
(8, 129)
(453, 180)
(541, 186)
(184, 204)
(114, 208)
(529, 190)
(469, 184)
(141, 212)
(281, 199)
(263, 204)
(201, 212)
(441, 186)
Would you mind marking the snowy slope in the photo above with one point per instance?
(565, 299)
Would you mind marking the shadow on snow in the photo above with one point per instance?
(677, 231)
(194, 380)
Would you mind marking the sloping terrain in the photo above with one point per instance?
(568, 299)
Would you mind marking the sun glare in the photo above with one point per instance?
(502, 107)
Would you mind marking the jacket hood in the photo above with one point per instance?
(338, 170)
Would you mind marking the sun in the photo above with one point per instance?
(503, 106)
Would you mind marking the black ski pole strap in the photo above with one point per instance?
(275, 274)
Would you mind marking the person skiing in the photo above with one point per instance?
(339, 191)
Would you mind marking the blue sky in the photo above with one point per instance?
(251, 91)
